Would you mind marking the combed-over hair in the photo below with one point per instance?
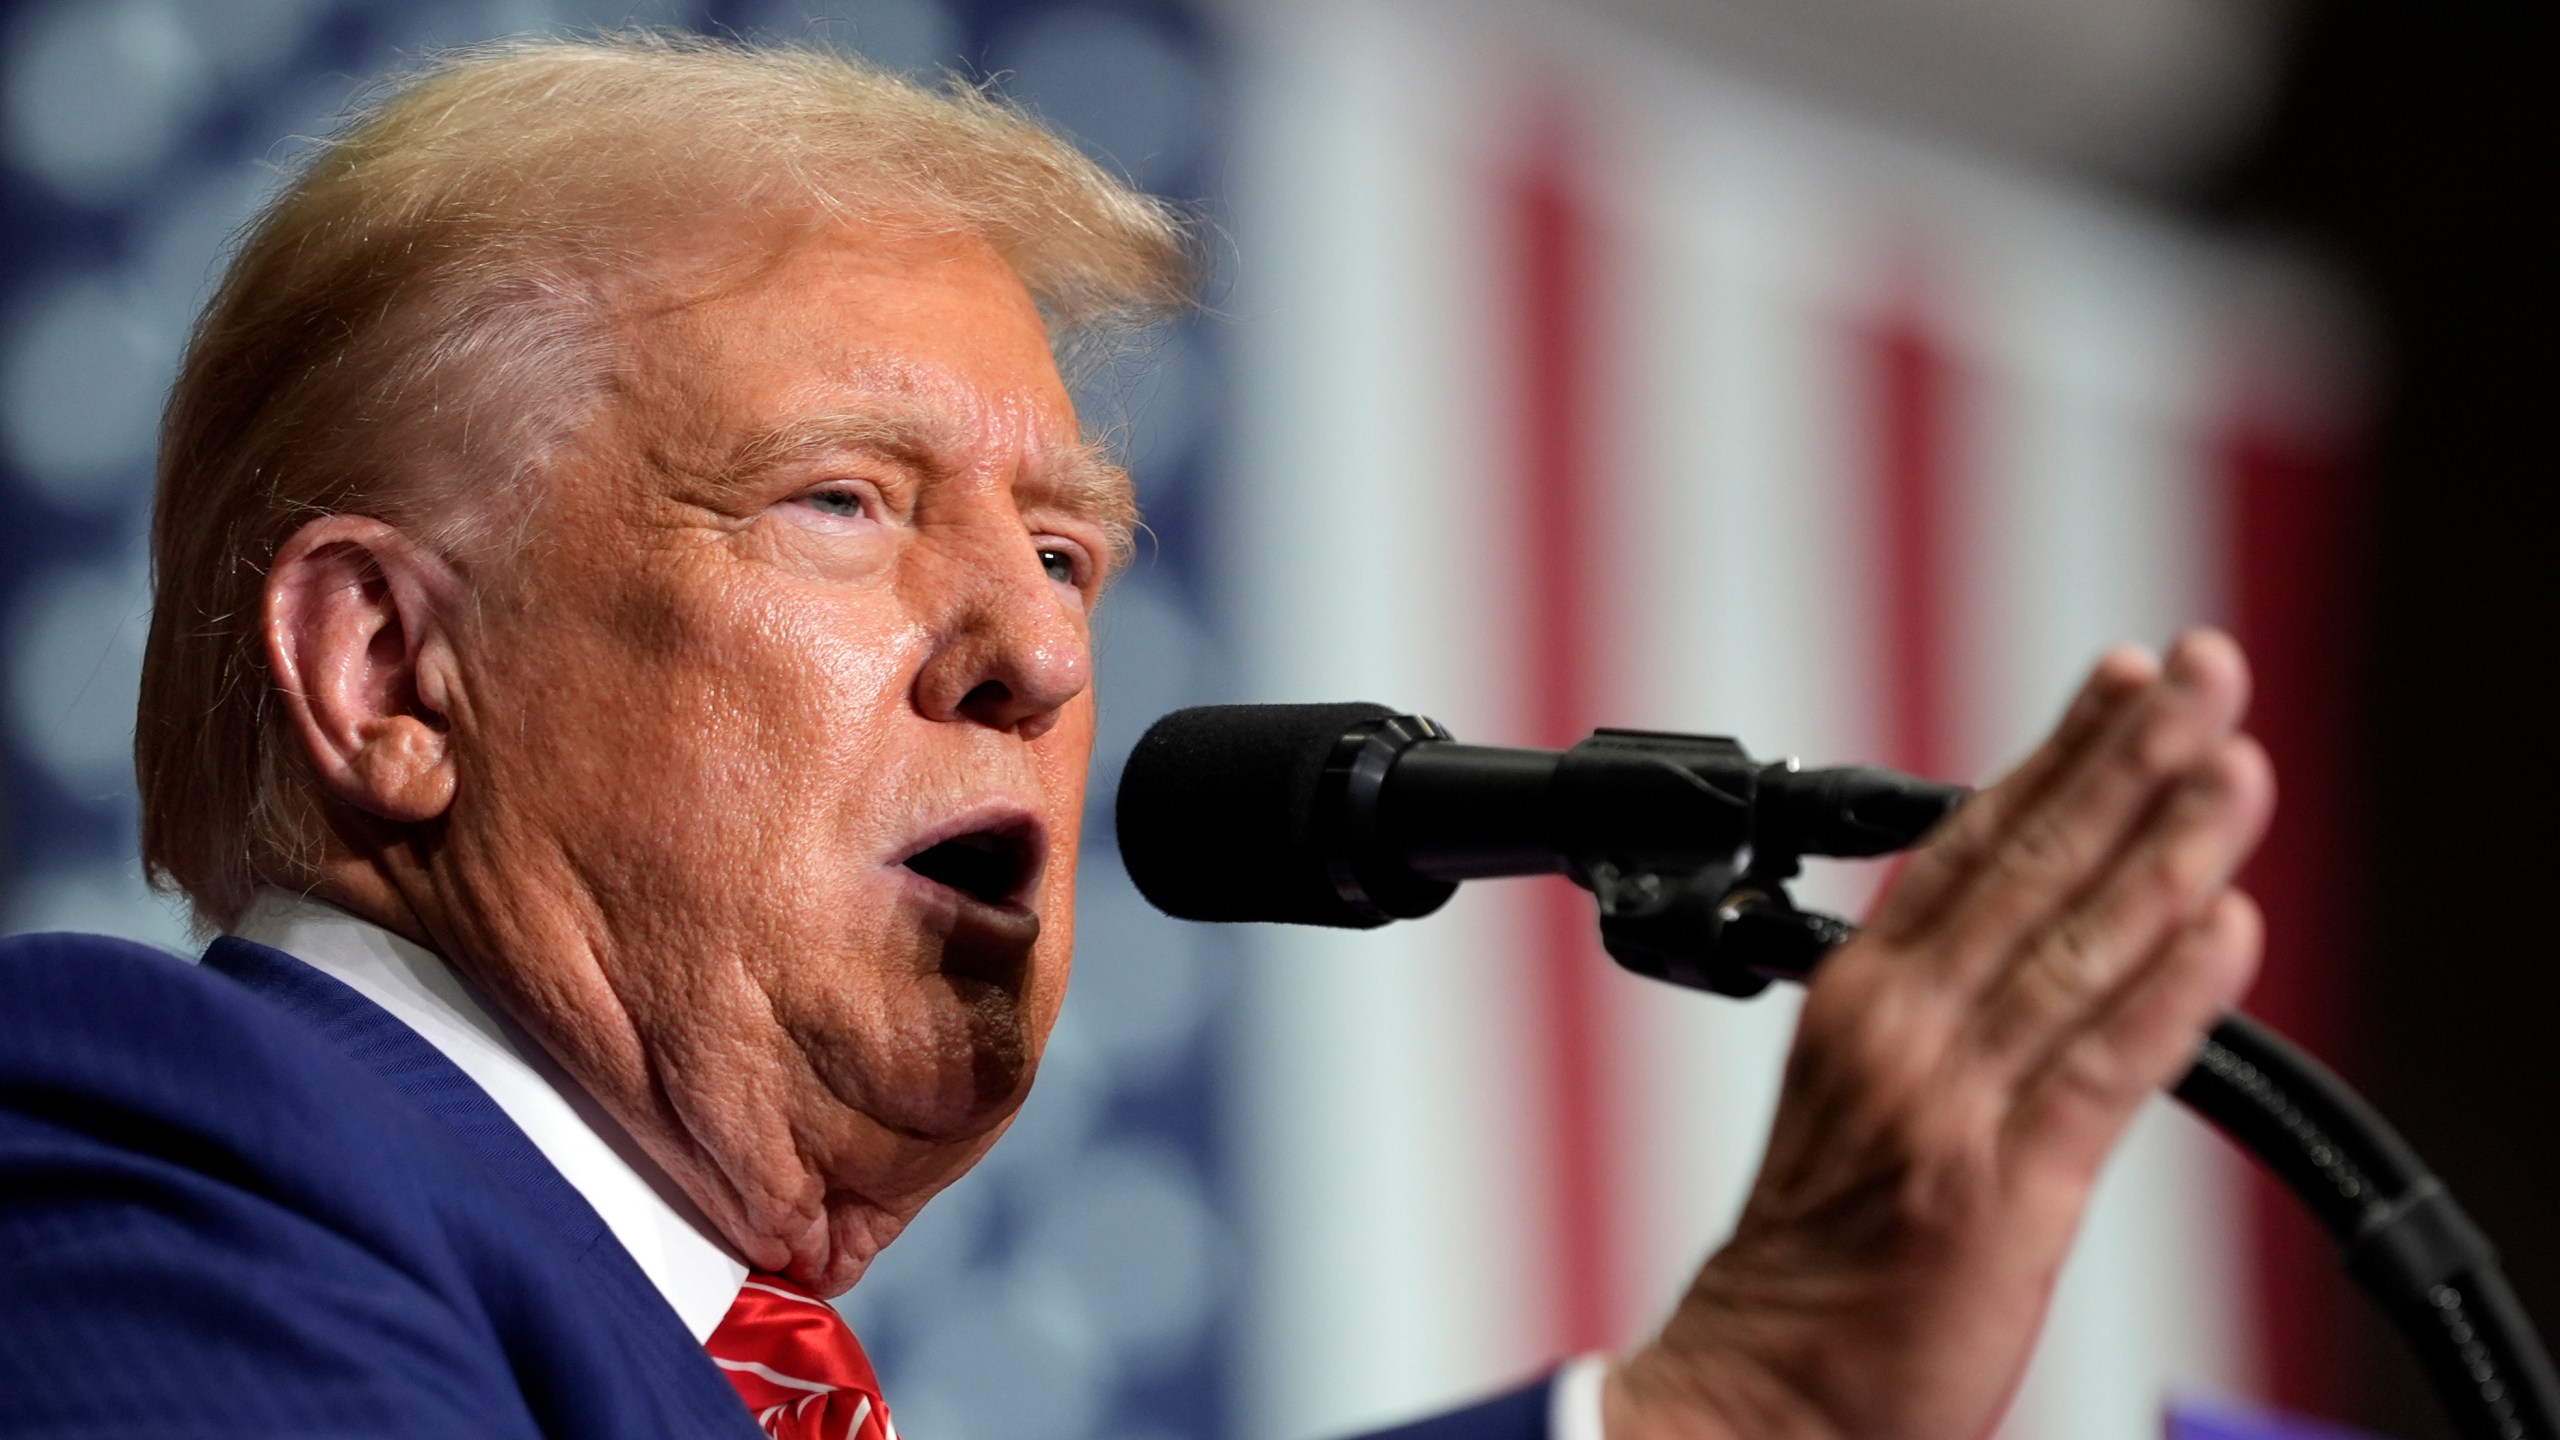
(420, 321)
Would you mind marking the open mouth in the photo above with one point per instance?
(994, 866)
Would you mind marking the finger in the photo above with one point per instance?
(2070, 1113)
(2055, 850)
(2182, 857)
(1937, 871)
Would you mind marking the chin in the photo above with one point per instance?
(973, 1065)
(863, 1213)
(941, 1061)
(938, 1041)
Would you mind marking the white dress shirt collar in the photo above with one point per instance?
(673, 1245)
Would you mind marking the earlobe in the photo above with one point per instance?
(362, 663)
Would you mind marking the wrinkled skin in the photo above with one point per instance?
(813, 590)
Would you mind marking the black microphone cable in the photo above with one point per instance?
(2400, 1235)
(1353, 815)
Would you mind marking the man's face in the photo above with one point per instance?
(773, 742)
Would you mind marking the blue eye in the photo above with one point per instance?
(1059, 563)
(839, 501)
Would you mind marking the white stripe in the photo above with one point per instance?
(767, 1372)
(1739, 553)
(785, 1294)
(861, 1413)
(1384, 1093)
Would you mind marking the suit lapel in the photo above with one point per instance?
(373, 1038)
(676, 1367)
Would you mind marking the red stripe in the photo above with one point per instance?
(1554, 255)
(1911, 382)
(2294, 589)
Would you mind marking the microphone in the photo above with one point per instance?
(1354, 815)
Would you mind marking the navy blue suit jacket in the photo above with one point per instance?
(239, 1199)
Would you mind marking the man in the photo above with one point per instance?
(620, 680)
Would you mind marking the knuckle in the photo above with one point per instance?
(2073, 951)
(2178, 875)
(2040, 848)
(2065, 971)
(2094, 1075)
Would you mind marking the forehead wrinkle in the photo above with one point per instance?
(1077, 476)
(910, 438)
(924, 418)
(895, 406)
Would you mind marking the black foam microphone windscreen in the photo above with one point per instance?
(1217, 813)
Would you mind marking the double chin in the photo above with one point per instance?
(819, 1207)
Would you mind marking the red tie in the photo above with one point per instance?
(796, 1364)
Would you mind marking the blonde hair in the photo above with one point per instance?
(421, 320)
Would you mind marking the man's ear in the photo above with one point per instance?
(364, 663)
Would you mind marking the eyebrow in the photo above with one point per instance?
(1079, 477)
(1082, 479)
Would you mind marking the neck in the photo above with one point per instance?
(360, 887)
(539, 971)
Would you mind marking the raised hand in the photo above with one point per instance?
(2051, 958)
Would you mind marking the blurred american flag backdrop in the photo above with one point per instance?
(1808, 373)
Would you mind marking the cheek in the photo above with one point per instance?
(780, 693)
(717, 726)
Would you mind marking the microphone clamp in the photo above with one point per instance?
(1372, 886)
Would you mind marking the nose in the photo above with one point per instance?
(1010, 650)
